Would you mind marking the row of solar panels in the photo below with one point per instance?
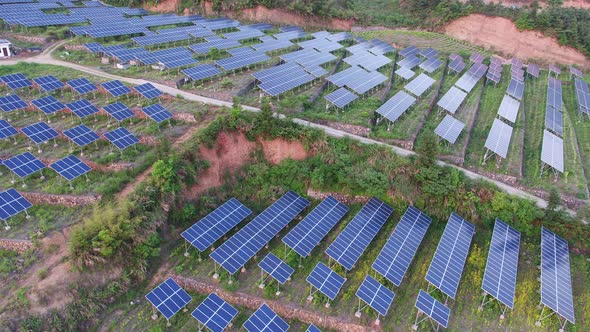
(552, 146)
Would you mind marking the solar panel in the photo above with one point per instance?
(581, 86)
(449, 129)
(118, 111)
(81, 135)
(39, 132)
(532, 69)
(12, 203)
(341, 97)
(467, 82)
(148, 91)
(556, 281)
(325, 280)
(16, 81)
(115, 88)
(24, 164)
(583, 101)
(405, 73)
(553, 120)
(312, 328)
(48, 104)
(215, 313)
(396, 106)
(82, 108)
(240, 248)
(457, 65)
(420, 84)
(499, 279)
(552, 151)
(276, 268)
(375, 295)
(509, 108)
(433, 308)
(70, 167)
(49, 83)
(12, 103)
(409, 62)
(216, 224)
(157, 113)
(409, 51)
(82, 85)
(169, 298)
(394, 259)
(348, 247)
(121, 138)
(265, 320)
(6, 130)
(555, 69)
(452, 100)
(576, 72)
(449, 259)
(308, 233)
(498, 140)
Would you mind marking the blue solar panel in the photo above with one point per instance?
(70, 167)
(399, 251)
(82, 108)
(325, 280)
(499, 279)
(312, 328)
(556, 281)
(304, 237)
(12, 103)
(49, 83)
(147, 90)
(449, 259)
(119, 111)
(81, 135)
(276, 268)
(82, 85)
(354, 239)
(48, 104)
(16, 81)
(201, 71)
(6, 130)
(216, 224)
(375, 295)
(265, 320)
(115, 88)
(433, 308)
(235, 252)
(121, 138)
(12, 203)
(39, 132)
(24, 164)
(157, 113)
(168, 298)
(215, 313)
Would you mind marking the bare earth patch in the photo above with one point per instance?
(500, 34)
(277, 150)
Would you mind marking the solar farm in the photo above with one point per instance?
(234, 240)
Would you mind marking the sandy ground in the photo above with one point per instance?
(501, 35)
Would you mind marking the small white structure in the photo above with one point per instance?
(5, 48)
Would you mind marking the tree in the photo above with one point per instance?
(552, 211)
(427, 150)
(265, 121)
(165, 176)
(214, 53)
(583, 213)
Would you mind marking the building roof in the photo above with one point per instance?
(5, 41)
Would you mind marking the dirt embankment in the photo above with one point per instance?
(234, 150)
(519, 3)
(163, 6)
(501, 35)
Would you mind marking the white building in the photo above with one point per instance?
(5, 47)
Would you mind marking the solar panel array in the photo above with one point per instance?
(12, 103)
(553, 120)
(532, 69)
(409, 51)
(449, 129)
(265, 320)
(48, 104)
(82, 85)
(81, 135)
(282, 78)
(169, 298)
(215, 313)
(70, 167)
(220, 44)
(375, 295)
(509, 108)
(157, 113)
(24, 164)
(433, 308)
(451, 100)
(552, 151)
(396, 106)
(420, 84)
(326, 280)
(582, 96)
(16, 81)
(457, 65)
(118, 111)
(499, 279)
(409, 62)
(121, 138)
(350, 244)
(82, 108)
(49, 83)
(240, 248)
(148, 91)
(115, 88)
(39, 132)
(394, 259)
(498, 140)
(468, 81)
(556, 281)
(405, 73)
(431, 65)
(201, 72)
(12, 203)
(276, 268)
(341, 97)
(6, 130)
(308, 233)
(449, 259)
(243, 59)
(312, 328)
